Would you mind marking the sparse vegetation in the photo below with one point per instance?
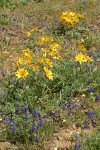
(50, 78)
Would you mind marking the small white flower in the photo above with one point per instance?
(64, 120)
(83, 95)
(55, 148)
(71, 133)
(0, 119)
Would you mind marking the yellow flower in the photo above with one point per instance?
(55, 46)
(48, 73)
(44, 39)
(28, 34)
(54, 55)
(89, 59)
(34, 29)
(21, 73)
(44, 52)
(19, 62)
(80, 16)
(70, 18)
(48, 62)
(34, 67)
(81, 58)
(40, 60)
(81, 47)
(27, 53)
(27, 61)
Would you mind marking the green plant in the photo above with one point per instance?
(92, 142)
(8, 3)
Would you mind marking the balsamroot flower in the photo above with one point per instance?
(21, 73)
(70, 18)
(44, 39)
(55, 46)
(48, 73)
(81, 47)
(27, 53)
(81, 58)
(48, 62)
(28, 34)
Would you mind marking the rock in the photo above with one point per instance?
(60, 138)
(13, 147)
(4, 145)
(7, 145)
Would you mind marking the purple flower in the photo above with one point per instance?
(49, 29)
(7, 121)
(34, 128)
(77, 147)
(90, 54)
(16, 27)
(40, 123)
(3, 74)
(18, 109)
(9, 22)
(84, 104)
(86, 125)
(89, 83)
(26, 108)
(42, 25)
(96, 59)
(26, 116)
(97, 98)
(75, 107)
(91, 115)
(16, 98)
(63, 107)
(91, 90)
(46, 116)
(14, 129)
(14, 19)
(65, 44)
(36, 139)
(52, 114)
(14, 120)
(36, 114)
(70, 105)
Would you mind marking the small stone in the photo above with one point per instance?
(55, 148)
(64, 120)
(83, 95)
(74, 127)
(4, 145)
(60, 138)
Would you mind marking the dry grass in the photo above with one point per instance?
(34, 14)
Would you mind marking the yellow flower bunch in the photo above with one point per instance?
(44, 39)
(25, 59)
(48, 62)
(81, 58)
(54, 46)
(43, 59)
(70, 18)
(54, 54)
